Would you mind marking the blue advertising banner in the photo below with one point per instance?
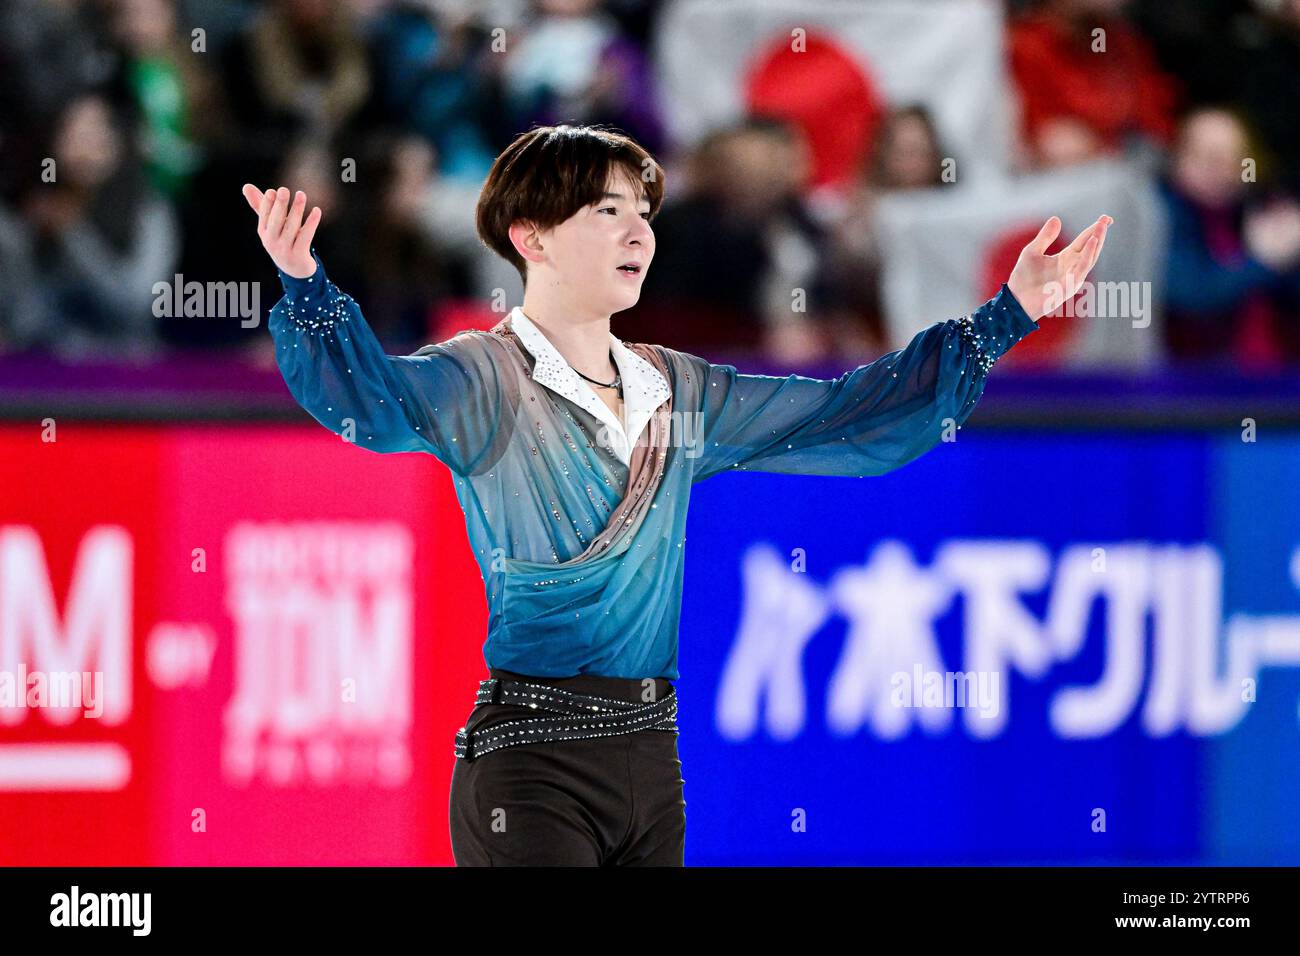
(1023, 648)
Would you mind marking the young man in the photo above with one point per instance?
(574, 455)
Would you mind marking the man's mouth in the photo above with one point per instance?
(631, 268)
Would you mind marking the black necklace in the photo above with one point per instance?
(618, 378)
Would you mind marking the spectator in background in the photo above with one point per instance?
(740, 260)
(50, 51)
(1247, 54)
(1233, 272)
(905, 155)
(434, 77)
(573, 63)
(294, 85)
(1078, 100)
(404, 275)
(99, 238)
(171, 90)
(1199, 42)
(1270, 85)
(300, 71)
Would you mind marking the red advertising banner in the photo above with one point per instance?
(228, 645)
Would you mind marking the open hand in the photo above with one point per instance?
(1273, 235)
(285, 236)
(1041, 282)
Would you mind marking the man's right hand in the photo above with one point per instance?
(285, 235)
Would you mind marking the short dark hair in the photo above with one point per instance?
(550, 173)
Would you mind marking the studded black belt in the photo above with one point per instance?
(582, 716)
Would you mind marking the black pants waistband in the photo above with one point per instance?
(513, 709)
(634, 690)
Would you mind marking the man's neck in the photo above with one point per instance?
(581, 336)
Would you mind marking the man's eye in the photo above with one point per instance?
(613, 209)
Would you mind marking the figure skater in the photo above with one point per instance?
(573, 456)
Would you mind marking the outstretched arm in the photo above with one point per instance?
(445, 399)
(883, 415)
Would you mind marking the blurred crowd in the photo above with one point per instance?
(128, 126)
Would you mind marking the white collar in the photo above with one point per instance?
(644, 386)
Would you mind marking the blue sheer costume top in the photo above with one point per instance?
(581, 552)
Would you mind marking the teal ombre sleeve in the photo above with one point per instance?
(445, 399)
(869, 421)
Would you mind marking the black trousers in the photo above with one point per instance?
(606, 801)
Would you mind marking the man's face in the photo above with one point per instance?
(1207, 158)
(585, 252)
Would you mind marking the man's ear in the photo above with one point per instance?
(527, 240)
